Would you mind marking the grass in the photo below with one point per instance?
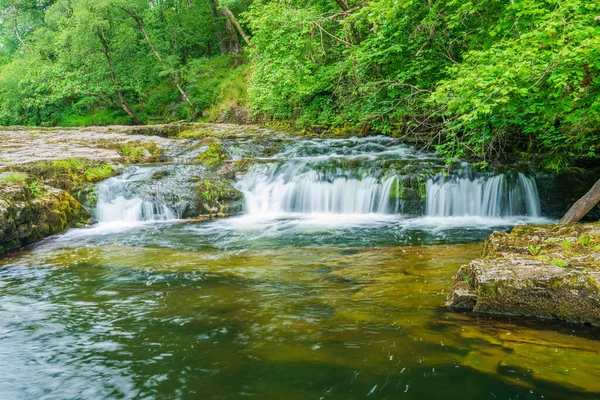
(101, 116)
(231, 89)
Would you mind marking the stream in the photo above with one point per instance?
(327, 284)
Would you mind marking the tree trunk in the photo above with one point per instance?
(215, 19)
(583, 206)
(234, 43)
(235, 22)
(134, 118)
(174, 77)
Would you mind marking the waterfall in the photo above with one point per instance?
(119, 201)
(380, 176)
(297, 188)
(484, 196)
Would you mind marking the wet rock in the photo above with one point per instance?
(411, 192)
(545, 271)
(26, 215)
(558, 192)
(160, 174)
(214, 196)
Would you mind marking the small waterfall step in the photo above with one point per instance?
(499, 195)
(118, 199)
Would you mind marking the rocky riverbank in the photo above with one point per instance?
(48, 174)
(548, 271)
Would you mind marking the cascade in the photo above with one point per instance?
(296, 188)
(499, 195)
(331, 176)
(118, 200)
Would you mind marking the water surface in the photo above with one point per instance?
(322, 289)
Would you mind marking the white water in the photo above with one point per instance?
(333, 181)
(294, 189)
(495, 196)
(307, 184)
(118, 201)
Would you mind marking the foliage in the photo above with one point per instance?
(35, 189)
(88, 62)
(478, 79)
(534, 250)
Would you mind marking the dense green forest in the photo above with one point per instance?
(483, 78)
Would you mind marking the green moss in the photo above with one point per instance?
(195, 134)
(136, 152)
(99, 173)
(397, 190)
(12, 177)
(214, 196)
(213, 156)
(70, 174)
(585, 241)
(559, 262)
(35, 189)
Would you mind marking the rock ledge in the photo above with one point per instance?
(547, 271)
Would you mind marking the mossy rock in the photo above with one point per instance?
(411, 191)
(70, 174)
(135, 152)
(24, 220)
(214, 156)
(550, 271)
(214, 196)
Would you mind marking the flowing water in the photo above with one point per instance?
(323, 288)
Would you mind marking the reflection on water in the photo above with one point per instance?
(280, 306)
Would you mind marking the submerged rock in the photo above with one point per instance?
(545, 271)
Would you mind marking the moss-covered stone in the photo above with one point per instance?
(215, 196)
(412, 192)
(214, 155)
(136, 152)
(26, 216)
(548, 271)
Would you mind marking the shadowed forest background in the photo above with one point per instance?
(483, 79)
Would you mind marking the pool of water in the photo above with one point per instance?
(280, 306)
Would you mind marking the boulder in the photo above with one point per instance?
(545, 271)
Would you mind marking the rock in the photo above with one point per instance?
(214, 156)
(25, 217)
(545, 271)
(215, 196)
(558, 192)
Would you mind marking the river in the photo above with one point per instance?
(327, 285)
